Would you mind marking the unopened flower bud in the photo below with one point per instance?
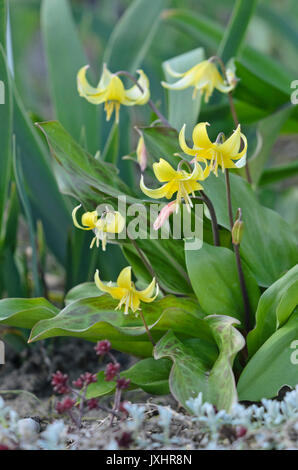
(142, 153)
(237, 230)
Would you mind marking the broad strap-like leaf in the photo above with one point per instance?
(82, 176)
(265, 232)
(25, 313)
(222, 386)
(190, 375)
(275, 306)
(95, 318)
(65, 55)
(133, 35)
(213, 274)
(274, 365)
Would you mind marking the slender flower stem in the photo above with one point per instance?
(238, 259)
(214, 224)
(233, 110)
(146, 328)
(145, 262)
(150, 102)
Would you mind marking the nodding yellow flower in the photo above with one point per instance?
(180, 181)
(110, 90)
(203, 77)
(126, 292)
(109, 222)
(219, 153)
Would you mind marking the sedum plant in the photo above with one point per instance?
(210, 310)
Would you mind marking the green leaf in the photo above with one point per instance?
(82, 291)
(150, 375)
(111, 149)
(133, 33)
(281, 24)
(190, 375)
(82, 176)
(267, 130)
(47, 203)
(96, 318)
(65, 56)
(213, 273)
(222, 387)
(101, 387)
(259, 244)
(233, 39)
(182, 108)
(275, 306)
(273, 366)
(5, 133)
(167, 260)
(257, 90)
(3, 18)
(25, 313)
(161, 142)
(279, 173)
(20, 183)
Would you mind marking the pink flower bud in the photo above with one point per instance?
(142, 154)
(123, 383)
(65, 405)
(59, 382)
(164, 215)
(102, 347)
(92, 404)
(111, 371)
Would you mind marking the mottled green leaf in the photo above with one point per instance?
(190, 375)
(96, 318)
(82, 291)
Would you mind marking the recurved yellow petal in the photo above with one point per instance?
(134, 95)
(124, 278)
(114, 291)
(182, 142)
(88, 219)
(167, 190)
(164, 171)
(146, 294)
(232, 145)
(200, 136)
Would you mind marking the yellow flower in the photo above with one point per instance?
(109, 222)
(219, 153)
(110, 90)
(126, 292)
(203, 76)
(180, 181)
